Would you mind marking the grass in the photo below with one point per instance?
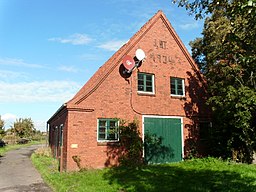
(91, 180)
(197, 175)
(7, 148)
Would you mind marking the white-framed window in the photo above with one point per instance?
(146, 83)
(107, 130)
(177, 87)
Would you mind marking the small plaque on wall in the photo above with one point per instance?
(74, 146)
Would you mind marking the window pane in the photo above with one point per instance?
(149, 77)
(140, 82)
(173, 86)
(102, 129)
(102, 123)
(180, 92)
(112, 123)
(145, 82)
(112, 136)
(149, 83)
(101, 136)
(177, 86)
(149, 89)
(140, 88)
(140, 76)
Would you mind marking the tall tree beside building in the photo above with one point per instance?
(226, 56)
(24, 127)
(2, 132)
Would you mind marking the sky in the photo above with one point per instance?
(50, 48)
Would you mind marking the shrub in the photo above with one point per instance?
(2, 143)
(44, 151)
(131, 141)
(10, 139)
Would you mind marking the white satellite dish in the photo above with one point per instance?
(140, 55)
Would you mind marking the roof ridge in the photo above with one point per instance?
(97, 79)
(127, 46)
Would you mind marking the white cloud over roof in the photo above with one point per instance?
(70, 69)
(188, 26)
(74, 39)
(112, 45)
(19, 63)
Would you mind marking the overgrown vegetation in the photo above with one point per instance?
(128, 151)
(192, 175)
(131, 142)
(226, 56)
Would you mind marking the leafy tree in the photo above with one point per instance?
(2, 132)
(226, 55)
(24, 127)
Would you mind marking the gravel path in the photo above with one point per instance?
(17, 174)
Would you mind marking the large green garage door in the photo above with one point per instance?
(162, 139)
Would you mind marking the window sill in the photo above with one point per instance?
(181, 97)
(108, 143)
(146, 93)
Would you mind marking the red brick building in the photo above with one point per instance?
(165, 93)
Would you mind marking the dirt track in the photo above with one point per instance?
(17, 174)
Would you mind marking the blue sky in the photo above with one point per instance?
(50, 48)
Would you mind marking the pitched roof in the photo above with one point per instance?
(103, 72)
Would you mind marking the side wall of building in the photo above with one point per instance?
(58, 137)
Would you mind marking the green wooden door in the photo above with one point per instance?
(162, 139)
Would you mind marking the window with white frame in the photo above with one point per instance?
(108, 130)
(146, 83)
(177, 87)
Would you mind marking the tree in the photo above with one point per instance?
(226, 56)
(24, 127)
(2, 132)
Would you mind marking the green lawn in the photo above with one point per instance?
(193, 175)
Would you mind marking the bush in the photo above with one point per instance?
(2, 143)
(131, 141)
(10, 139)
(44, 151)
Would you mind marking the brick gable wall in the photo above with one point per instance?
(117, 97)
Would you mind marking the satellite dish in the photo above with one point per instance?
(140, 55)
(128, 62)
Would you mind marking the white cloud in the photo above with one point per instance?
(70, 69)
(8, 117)
(89, 57)
(18, 62)
(47, 91)
(188, 26)
(75, 39)
(7, 75)
(113, 45)
(40, 125)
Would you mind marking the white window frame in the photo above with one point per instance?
(106, 140)
(153, 84)
(183, 87)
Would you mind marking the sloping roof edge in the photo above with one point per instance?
(103, 72)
